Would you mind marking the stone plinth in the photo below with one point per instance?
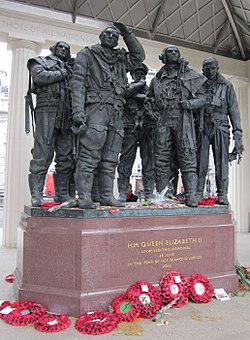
(74, 261)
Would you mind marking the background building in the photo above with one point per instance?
(4, 105)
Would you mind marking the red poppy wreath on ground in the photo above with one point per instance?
(148, 296)
(9, 278)
(174, 286)
(96, 323)
(22, 313)
(200, 288)
(51, 323)
(125, 308)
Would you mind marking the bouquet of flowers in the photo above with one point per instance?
(244, 274)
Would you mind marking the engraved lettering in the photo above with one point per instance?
(133, 245)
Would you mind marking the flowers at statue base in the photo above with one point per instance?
(148, 296)
(208, 201)
(48, 205)
(113, 211)
(9, 278)
(200, 289)
(141, 300)
(244, 273)
(96, 322)
(125, 308)
(51, 323)
(22, 313)
(172, 286)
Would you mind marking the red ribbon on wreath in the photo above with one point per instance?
(125, 308)
(51, 323)
(148, 296)
(24, 313)
(96, 323)
(172, 286)
(200, 288)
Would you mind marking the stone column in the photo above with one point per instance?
(18, 144)
(239, 173)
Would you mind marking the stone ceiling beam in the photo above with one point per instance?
(242, 23)
(220, 36)
(157, 18)
(228, 10)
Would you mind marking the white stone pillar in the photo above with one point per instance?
(239, 173)
(18, 144)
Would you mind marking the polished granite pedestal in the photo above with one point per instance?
(74, 261)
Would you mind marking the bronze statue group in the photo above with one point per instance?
(91, 121)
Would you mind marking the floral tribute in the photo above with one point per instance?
(244, 274)
(113, 211)
(96, 323)
(22, 313)
(9, 278)
(125, 308)
(142, 299)
(148, 296)
(48, 205)
(200, 289)
(51, 323)
(208, 201)
(172, 286)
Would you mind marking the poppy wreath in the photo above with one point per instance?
(24, 314)
(200, 289)
(174, 286)
(9, 278)
(96, 323)
(3, 305)
(148, 296)
(51, 323)
(125, 308)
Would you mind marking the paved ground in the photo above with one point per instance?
(217, 320)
